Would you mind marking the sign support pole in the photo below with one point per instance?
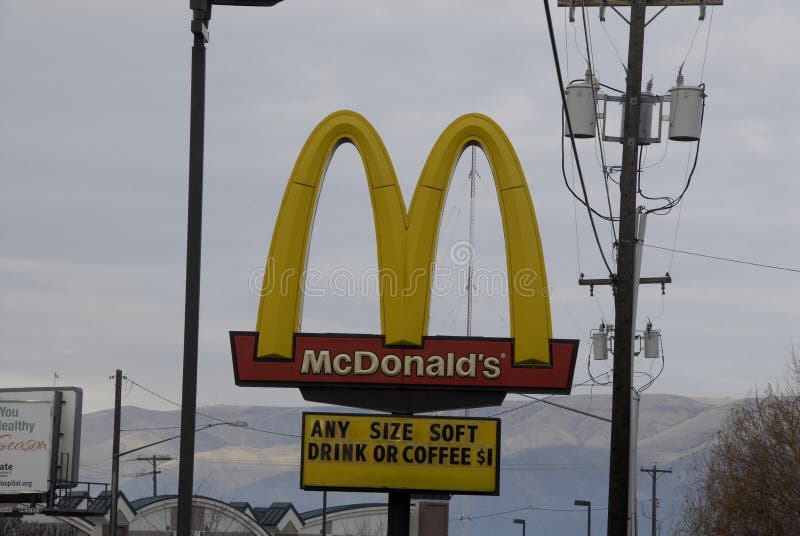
(324, 513)
(54, 448)
(399, 513)
(399, 510)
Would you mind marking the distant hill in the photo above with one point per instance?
(550, 457)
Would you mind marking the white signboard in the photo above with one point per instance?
(68, 458)
(25, 441)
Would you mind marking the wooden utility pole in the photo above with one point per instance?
(154, 460)
(625, 279)
(115, 453)
(654, 473)
(624, 323)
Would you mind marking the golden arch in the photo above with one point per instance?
(406, 241)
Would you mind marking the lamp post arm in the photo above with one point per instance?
(206, 427)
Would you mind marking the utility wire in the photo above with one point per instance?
(534, 401)
(726, 259)
(575, 196)
(572, 138)
(587, 37)
(585, 413)
(533, 508)
(149, 429)
(708, 39)
(165, 399)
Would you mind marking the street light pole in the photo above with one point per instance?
(199, 26)
(587, 504)
(201, 15)
(521, 522)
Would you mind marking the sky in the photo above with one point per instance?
(94, 170)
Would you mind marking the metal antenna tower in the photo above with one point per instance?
(471, 268)
(473, 173)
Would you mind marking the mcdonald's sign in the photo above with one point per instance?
(403, 356)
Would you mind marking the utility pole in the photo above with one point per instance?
(115, 453)
(654, 474)
(624, 323)
(625, 281)
(154, 460)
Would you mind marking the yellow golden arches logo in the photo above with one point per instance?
(406, 240)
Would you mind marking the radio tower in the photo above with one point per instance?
(473, 173)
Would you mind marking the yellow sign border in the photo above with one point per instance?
(369, 474)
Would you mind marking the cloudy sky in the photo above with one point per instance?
(94, 163)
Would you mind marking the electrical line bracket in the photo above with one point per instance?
(591, 283)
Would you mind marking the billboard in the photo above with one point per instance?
(26, 427)
(358, 452)
(275, 354)
(458, 363)
(25, 444)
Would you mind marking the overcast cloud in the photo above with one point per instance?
(94, 151)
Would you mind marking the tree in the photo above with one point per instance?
(750, 479)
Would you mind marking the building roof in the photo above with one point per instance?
(305, 516)
(72, 500)
(241, 506)
(272, 514)
(147, 501)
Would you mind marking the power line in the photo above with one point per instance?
(590, 54)
(271, 432)
(533, 401)
(572, 138)
(149, 429)
(726, 259)
(585, 413)
(526, 508)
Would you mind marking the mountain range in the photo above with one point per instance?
(550, 457)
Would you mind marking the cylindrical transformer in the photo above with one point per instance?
(686, 112)
(600, 344)
(646, 107)
(582, 105)
(652, 337)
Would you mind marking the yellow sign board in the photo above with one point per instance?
(343, 451)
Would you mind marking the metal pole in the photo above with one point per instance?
(619, 473)
(633, 523)
(653, 511)
(324, 512)
(115, 454)
(399, 513)
(155, 479)
(589, 523)
(199, 28)
(54, 448)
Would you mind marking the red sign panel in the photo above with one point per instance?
(441, 362)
